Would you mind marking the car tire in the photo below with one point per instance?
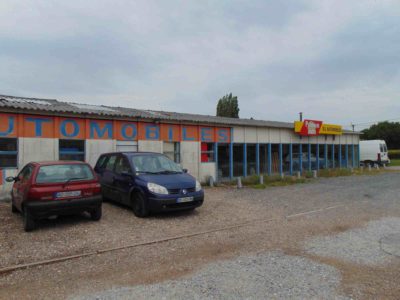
(14, 210)
(96, 213)
(29, 222)
(139, 205)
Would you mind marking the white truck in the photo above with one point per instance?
(374, 152)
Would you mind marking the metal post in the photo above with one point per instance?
(353, 156)
(291, 159)
(340, 156)
(239, 182)
(231, 160)
(309, 156)
(280, 160)
(333, 156)
(211, 181)
(258, 159)
(347, 156)
(300, 158)
(317, 157)
(269, 159)
(326, 155)
(231, 156)
(245, 160)
(216, 161)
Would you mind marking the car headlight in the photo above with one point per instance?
(198, 186)
(157, 189)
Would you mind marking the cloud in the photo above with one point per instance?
(327, 58)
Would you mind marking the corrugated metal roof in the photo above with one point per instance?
(23, 104)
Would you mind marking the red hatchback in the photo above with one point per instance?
(44, 189)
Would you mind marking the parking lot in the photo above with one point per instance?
(329, 238)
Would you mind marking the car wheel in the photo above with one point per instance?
(14, 210)
(139, 206)
(96, 213)
(29, 222)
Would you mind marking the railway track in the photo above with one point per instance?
(163, 240)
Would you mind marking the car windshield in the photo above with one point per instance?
(64, 173)
(155, 164)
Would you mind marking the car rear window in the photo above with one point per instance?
(62, 173)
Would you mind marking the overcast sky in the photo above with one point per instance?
(337, 61)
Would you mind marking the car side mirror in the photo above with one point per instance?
(185, 170)
(12, 179)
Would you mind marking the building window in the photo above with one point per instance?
(207, 152)
(8, 153)
(173, 151)
(72, 150)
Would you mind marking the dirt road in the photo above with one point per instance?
(291, 232)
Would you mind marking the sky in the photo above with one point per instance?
(336, 61)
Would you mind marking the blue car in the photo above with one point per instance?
(147, 182)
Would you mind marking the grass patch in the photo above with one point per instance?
(253, 181)
(394, 162)
(334, 172)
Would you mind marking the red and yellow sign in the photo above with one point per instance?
(313, 128)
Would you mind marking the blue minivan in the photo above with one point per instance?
(147, 182)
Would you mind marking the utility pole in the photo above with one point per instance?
(352, 125)
(301, 116)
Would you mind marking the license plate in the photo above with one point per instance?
(184, 199)
(68, 194)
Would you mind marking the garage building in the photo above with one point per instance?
(34, 129)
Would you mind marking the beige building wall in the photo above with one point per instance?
(150, 146)
(36, 149)
(94, 148)
(206, 170)
(190, 157)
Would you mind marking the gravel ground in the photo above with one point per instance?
(360, 200)
(361, 245)
(271, 275)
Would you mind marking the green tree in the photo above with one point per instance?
(388, 131)
(228, 106)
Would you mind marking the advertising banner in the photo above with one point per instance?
(314, 128)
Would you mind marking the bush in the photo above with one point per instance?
(308, 174)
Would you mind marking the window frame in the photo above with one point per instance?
(60, 152)
(114, 163)
(22, 179)
(101, 165)
(207, 152)
(176, 153)
(9, 153)
(122, 157)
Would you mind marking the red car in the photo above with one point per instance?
(44, 189)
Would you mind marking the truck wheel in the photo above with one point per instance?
(139, 206)
(96, 213)
(29, 222)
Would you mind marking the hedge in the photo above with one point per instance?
(394, 154)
